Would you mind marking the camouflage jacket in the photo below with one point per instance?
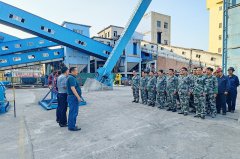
(172, 84)
(161, 84)
(135, 82)
(211, 85)
(184, 84)
(143, 83)
(199, 85)
(151, 85)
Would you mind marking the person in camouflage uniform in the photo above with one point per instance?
(212, 90)
(192, 76)
(135, 87)
(143, 87)
(199, 93)
(151, 88)
(184, 89)
(161, 89)
(171, 89)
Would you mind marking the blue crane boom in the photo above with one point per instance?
(23, 45)
(104, 73)
(20, 19)
(30, 58)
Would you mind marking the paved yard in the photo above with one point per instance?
(114, 128)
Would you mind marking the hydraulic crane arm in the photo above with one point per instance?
(20, 19)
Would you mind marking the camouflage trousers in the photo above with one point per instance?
(200, 102)
(144, 96)
(151, 97)
(136, 94)
(192, 105)
(184, 101)
(211, 104)
(161, 99)
(171, 100)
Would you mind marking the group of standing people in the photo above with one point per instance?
(203, 92)
(65, 85)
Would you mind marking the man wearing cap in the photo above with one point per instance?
(135, 87)
(223, 89)
(184, 89)
(211, 92)
(171, 89)
(143, 88)
(161, 89)
(233, 84)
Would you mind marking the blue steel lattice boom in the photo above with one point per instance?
(25, 21)
(104, 74)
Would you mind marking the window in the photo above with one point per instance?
(219, 50)
(18, 45)
(134, 48)
(198, 56)
(78, 31)
(3, 61)
(159, 37)
(17, 18)
(183, 53)
(115, 33)
(108, 34)
(45, 55)
(4, 48)
(30, 57)
(152, 46)
(30, 43)
(159, 24)
(47, 30)
(220, 25)
(81, 42)
(165, 42)
(213, 59)
(17, 59)
(220, 37)
(220, 8)
(56, 53)
(165, 25)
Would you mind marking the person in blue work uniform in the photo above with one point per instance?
(74, 97)
(232, 94)
(223, 90)
(62, 97)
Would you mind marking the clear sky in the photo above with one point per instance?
(189, 17)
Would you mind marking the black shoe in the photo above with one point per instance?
(74, 129)
(232, 111)
(180, 112)
(224, 113)
(153, 105)
(218, 112)
(63, 125)
(149, 104)
(174, 110)
(160, 108)
(169, 109)
(213, 115)
(133, 101)
(196, 116)
(202, 117)
(185, 114)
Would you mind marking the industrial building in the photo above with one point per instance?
(215, 8)
(156, 28)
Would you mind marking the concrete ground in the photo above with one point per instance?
(114, 128)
